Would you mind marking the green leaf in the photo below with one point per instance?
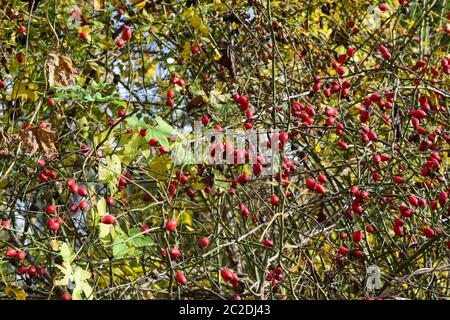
(101, 207)
(80, 278)
(105, 230)
(108, 173)
(135, 123)
(143, 241)
(120, 103)
(120, 247)
(162, 139)
(164, 128)
(65, 252)
(140, 240)
(131, 148)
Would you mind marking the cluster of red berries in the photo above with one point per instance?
(357, 202)
(170, 94)
(229, 276)
(317, 186)
(196, 50)
(31, 270)
(244, 106)
(126, 36)
(46, 174)
(276, 277)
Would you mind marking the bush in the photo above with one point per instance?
(99, 103)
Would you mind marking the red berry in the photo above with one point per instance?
(398, 179)
(108, 219)
(413, 201)
(398, 230)
(184, 179)
(65, 296)
(175, 253)
(143, 132)
(383, 6)
(226, 274)
(21, 270)
(126, 34)
(181, 279)
(351, 51)
(21, 255)
(428, 232)
(73, 188)
(120, 43)
(11, 252)
(319, 188)
(51, 209)
(83, 36)
(83, 205)
(343, 251)
(32, 271)
(121, 113)
(163, 150)
(268, 243)
(51, 102)
(110, 201)
(170, 94)
(357, 236)
(275, 200)
(153, 142)
(284, 137)
(203, 242)
(322, 179)
(205, 119)
(310, 184)
(54, 224)
(171, 225)
(82, 192)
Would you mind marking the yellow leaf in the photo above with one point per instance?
(186, 50)
(99, 5)
(187, 219)
(140, 4)
(198, 186)
(188, 13)
(86, 29)
(196, 22)
(18, 292)
(54, 244)
(160, 167)
(25, 91)
(151, 70)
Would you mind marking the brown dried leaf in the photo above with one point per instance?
(196, 102)
(60, 69)
(40, 139)
(6, 144)
(340, 37)
(228, 60)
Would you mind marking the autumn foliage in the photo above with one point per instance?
(96, 96)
